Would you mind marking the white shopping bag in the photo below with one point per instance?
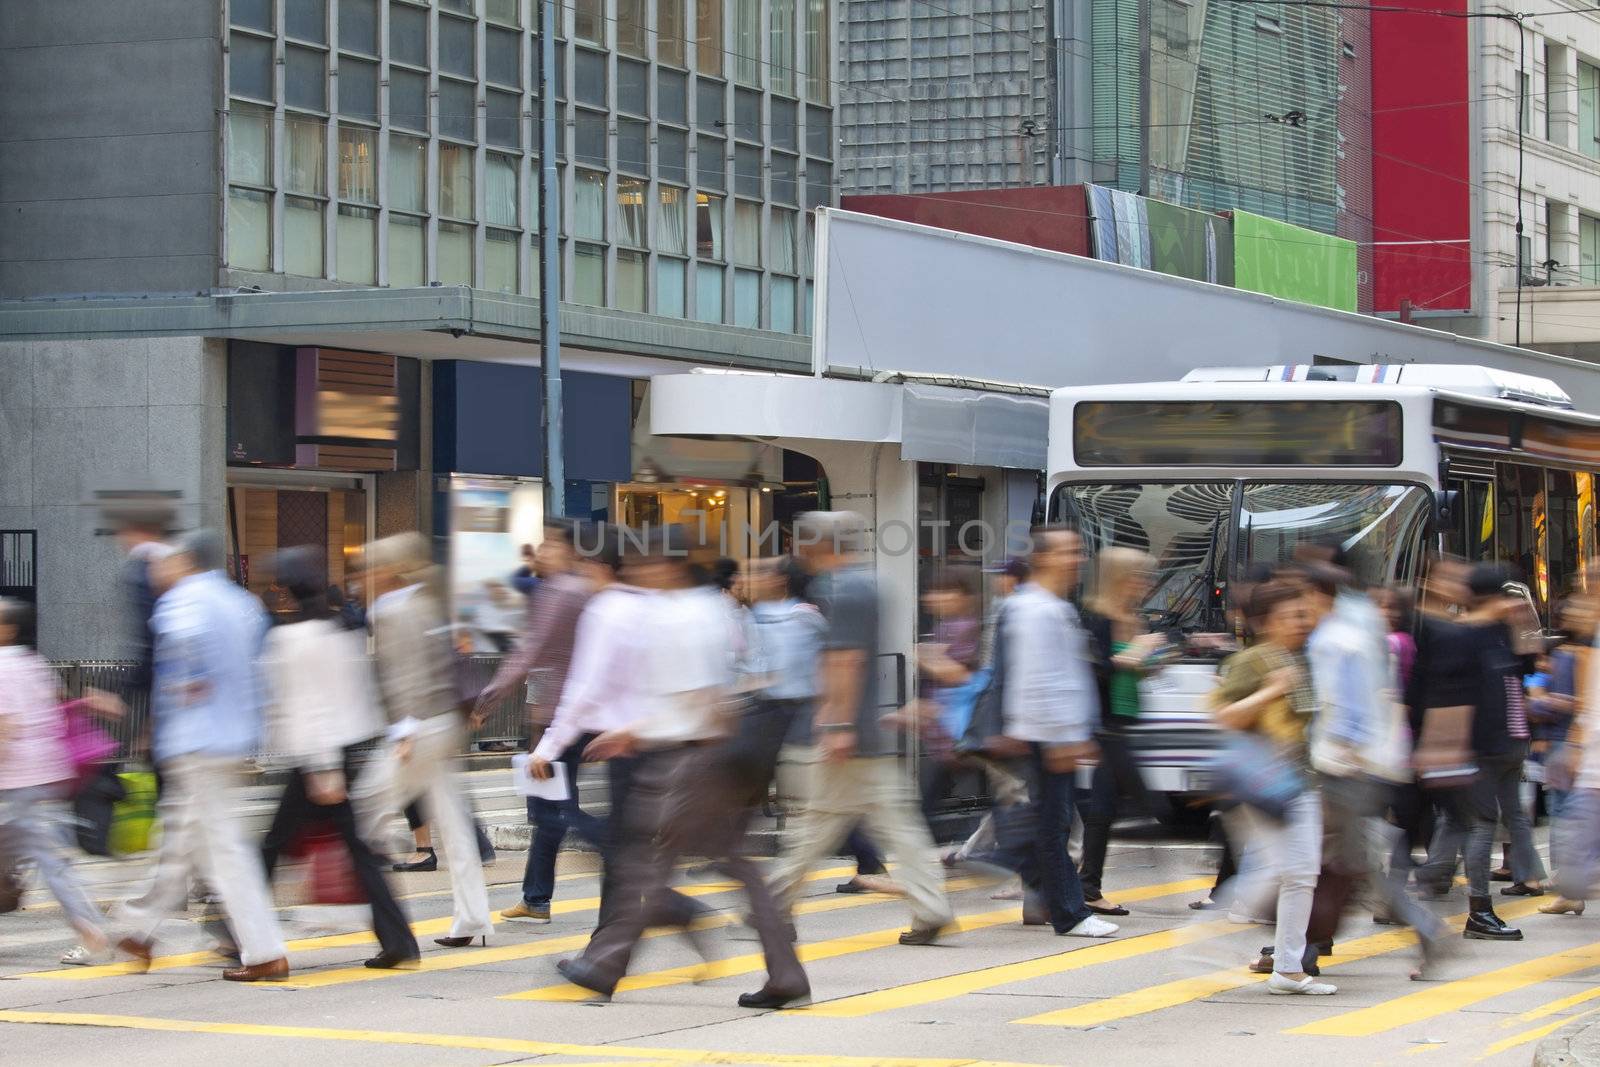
(552, 788)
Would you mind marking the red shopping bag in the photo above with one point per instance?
(330, 875)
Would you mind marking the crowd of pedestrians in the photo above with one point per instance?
(1368, 750)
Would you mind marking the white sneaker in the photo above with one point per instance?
(82, 956)
(1093, 926)
(1306, 987)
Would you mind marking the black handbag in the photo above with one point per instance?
(92, 809)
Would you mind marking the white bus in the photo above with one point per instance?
(1236, 467)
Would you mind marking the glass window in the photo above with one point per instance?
(256, 14)
(819, 183)
(305, 78)
(746, 233)
(500, 189)
(630, 212)
(305, 168)
(783, 255)
(356, 230)
(358, 89)
(630, 280)
(587, 20)
(458, 52)
(672, 150)
(589, 206)
(1565, 542)
(819, 132)
(500, 260)
(707, 293)
(805, 319)
(455, 254)
(631, 27)
(633, 87)
(747, 115)
(747, 171)
(670, 275)
(747, 298)
(708, 37)
(455, 181)
(250, 66)
(589, 78)
(780, 46)
(458, 110)
(781, 301)
(463, 6)
(1589, 110)
(672, 97)
(406, 252)
(358, 26)
(785, 186)
(588, 275)
(249, 144)
(818, 72)
(249, 229)
(302, 237)
(358, 166)
(306, 19)
(502, 118)
(709, 110)
(785, 124)
(408, 35)
(747, 41)
(1588, 250)
(506, 11)
(711, 164)
(708, 226)
(408, 99)
(408, 170)
(502, 56)
(633, 146)
(532, 267)
(669, 32)
(589, 138)
(672, 235)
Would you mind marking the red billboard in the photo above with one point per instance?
(1421, 159)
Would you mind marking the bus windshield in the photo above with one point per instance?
(1193, 531)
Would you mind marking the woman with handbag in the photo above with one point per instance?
(1264, 695)
(1124, 651)
(36, 775)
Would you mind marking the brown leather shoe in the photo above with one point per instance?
(141, 951)
(271, 971)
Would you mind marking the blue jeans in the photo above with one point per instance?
(1031, 839)
(551, 820)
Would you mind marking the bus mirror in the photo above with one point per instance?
(1445, 503)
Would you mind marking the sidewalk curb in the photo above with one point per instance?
(1577, 1045)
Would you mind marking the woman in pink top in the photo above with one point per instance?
(35, 773)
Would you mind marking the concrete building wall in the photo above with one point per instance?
(77, 416)
(108, 146)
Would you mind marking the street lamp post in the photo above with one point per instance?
(549, 267)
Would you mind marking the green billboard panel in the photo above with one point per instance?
(1293, 262)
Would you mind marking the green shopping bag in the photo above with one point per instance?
(133, 817)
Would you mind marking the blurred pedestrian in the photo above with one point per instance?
(36, 776)
(525, 579)
(857, 780)
(427, 724)
(1552, 707)
(947, 661)
(538, 667)
(323, 721)
(207, 722)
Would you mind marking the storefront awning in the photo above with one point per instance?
(933, 424)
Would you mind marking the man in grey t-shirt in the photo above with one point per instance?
(855, 779)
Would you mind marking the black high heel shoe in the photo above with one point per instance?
(460, 942)
(430, 863)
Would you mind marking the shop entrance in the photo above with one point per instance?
(272, 510)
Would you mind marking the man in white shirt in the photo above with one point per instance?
(681, 799)
(1050, 707)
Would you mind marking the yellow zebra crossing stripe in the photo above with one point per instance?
(1189, 990)
(1532, 1035)
(1453, 996)
(937, 989)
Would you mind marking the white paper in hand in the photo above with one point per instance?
(552, 788)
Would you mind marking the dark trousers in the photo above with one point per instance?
(1116, 776)
(665, 906)
(681, 802)
(296, 809)
(1031, 839)
(415, 820)
(551, 820)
